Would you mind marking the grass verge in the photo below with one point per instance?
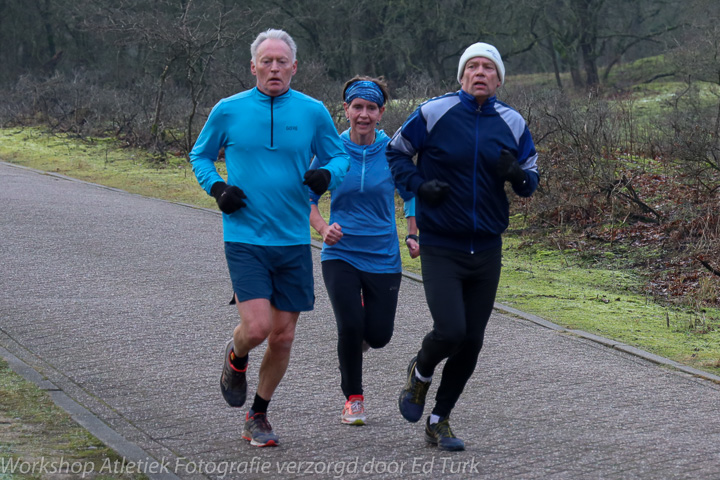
(560, 287)
(38, 440)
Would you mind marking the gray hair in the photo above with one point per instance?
(277, 34)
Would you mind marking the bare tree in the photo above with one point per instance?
(182, 40)
(584, 32)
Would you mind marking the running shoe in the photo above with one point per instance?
(412, 396)
(259, 432)
(354, 411)
(441, 435)
(233, 383)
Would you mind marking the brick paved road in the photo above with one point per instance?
(119, 303)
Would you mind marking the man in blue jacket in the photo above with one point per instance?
(269, 134)
(468, 145)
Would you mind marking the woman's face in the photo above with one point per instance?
(363, 115)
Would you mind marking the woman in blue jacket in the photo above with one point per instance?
(361, 257)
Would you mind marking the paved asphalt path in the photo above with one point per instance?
(117, 305)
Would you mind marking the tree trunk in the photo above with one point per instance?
(587, 13)
(575, 75)
(44, 11)
(154, 130)
(553, 55)
(591, 71)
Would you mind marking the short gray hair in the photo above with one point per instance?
(277, 34)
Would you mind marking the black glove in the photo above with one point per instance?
(508, 168)
(229, 197)
(318, 180)
(433, 192)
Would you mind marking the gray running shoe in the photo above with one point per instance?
(233, 383)
(259, 432)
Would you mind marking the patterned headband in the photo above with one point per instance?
(366, 90)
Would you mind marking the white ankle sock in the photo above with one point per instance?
(421, 378)
(434, 419)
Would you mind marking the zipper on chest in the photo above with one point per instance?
(272, 121)
(476, 172)
(362, 170)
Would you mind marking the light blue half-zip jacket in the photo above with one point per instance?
(269, 143)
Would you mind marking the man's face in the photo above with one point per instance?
(274, 68)
(480, 78)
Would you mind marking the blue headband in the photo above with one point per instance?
(366, 90)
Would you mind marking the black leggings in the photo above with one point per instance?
(348, 288)
(460, 290)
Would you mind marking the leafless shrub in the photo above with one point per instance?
(64, 104)
(406, 99)
(691, 136)
(313, 79)
(587, 144)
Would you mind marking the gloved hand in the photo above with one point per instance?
(318, 180)
(433, 192)
(229, 197)
(508, 168)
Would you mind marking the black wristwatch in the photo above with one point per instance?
(414, 237)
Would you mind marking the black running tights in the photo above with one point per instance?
(348, 288)
(460, 290)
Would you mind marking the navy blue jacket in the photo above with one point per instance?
(458, 142)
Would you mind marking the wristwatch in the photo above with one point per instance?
(414, 237)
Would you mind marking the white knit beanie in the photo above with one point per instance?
(482, 50)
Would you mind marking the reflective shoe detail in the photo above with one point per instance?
(441, 435)
(412, 396)
(354, 411)
(259, 432)
(233, 383)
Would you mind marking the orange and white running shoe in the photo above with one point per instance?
(354, 411)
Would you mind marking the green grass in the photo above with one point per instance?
(34, 430)
(596, 295)
(103, 161)
(560, 286)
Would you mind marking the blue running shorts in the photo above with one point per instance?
(283, 275)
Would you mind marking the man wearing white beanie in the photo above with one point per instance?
(484, 50)
(468, 145)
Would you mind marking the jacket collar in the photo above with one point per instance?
(381, 141)
(469, 101)
(276, 100)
